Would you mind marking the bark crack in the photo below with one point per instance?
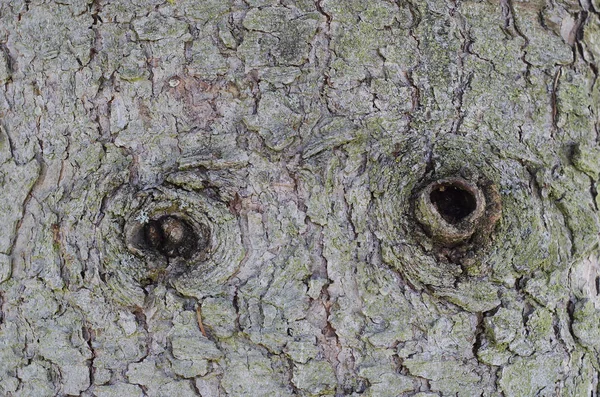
(554, 102)
(326, 67)
(510, 20)
(39, 181)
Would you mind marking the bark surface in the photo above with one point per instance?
(290, 197)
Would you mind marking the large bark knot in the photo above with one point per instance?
(438, 219)
(450, 210)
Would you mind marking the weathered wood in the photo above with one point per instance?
(210, 197)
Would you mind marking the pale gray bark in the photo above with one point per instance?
(295, 138)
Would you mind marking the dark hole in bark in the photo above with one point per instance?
(453, 202)
(171, 236)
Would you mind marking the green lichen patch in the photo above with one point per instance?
(448, 377)
(586, 158)
(4, 68)
(586, 324)
(277, 120)
(157, 27)
(317, 378)
(525, 377)
(474, 296)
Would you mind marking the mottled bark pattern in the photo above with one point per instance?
(220, 198)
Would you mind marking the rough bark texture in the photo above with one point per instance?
(291, 140)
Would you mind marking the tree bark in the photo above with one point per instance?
(262, 197)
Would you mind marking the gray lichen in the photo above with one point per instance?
(297, 136)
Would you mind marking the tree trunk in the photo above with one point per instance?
(276, 198)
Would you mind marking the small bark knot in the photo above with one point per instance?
(169, 236)
(173, 237)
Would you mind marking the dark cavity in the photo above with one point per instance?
(453, 203)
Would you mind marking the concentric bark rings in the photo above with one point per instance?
(183, 239)
(460, 223)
